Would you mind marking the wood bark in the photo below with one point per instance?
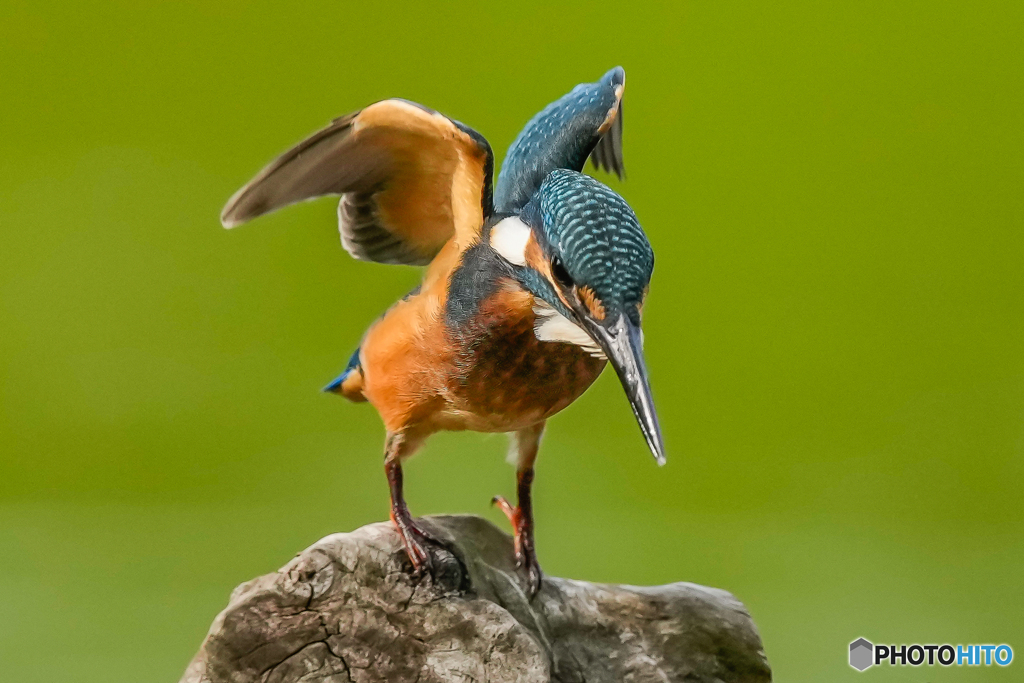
(347, 609)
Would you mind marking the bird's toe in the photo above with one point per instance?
(528, 564)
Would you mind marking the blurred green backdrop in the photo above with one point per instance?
(835, 330)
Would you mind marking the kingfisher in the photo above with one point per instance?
(531, 284)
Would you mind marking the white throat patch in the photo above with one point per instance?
(551, 326)
(509, 238)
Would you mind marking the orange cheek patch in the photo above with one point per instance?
(535, 258)
(592, 303)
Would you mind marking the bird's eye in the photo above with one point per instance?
(559, 272)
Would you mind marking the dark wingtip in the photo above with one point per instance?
(228, 220)
(234, 213)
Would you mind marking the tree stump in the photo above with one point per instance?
(347, 609)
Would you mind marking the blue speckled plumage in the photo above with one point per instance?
(597, 237)
(562, 135)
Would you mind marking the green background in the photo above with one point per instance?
(835, 329)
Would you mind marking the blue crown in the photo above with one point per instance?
(597, 237)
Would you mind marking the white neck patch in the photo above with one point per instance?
(509, 238)
(551, 326)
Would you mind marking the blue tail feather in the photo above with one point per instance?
(353, 364)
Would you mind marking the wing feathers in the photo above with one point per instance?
(584, 123)
(607, 154)
(297, 175)
(404, 173)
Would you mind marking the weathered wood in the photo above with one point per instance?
(347, 609)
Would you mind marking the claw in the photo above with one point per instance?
(533, 578)
(412, 538)
(526, 557)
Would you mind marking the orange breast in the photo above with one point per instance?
(504, 376)
(405, 362)
(491, 374)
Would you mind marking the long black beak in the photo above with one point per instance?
(622, 343)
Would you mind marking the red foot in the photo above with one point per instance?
(526, 556)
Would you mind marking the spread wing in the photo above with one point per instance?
(409, 178)
(587, 122)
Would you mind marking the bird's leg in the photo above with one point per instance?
(524, 447)
(521, 517)
(398, 446)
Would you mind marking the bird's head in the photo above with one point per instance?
(578, 248)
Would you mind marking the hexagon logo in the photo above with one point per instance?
(862, 654)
